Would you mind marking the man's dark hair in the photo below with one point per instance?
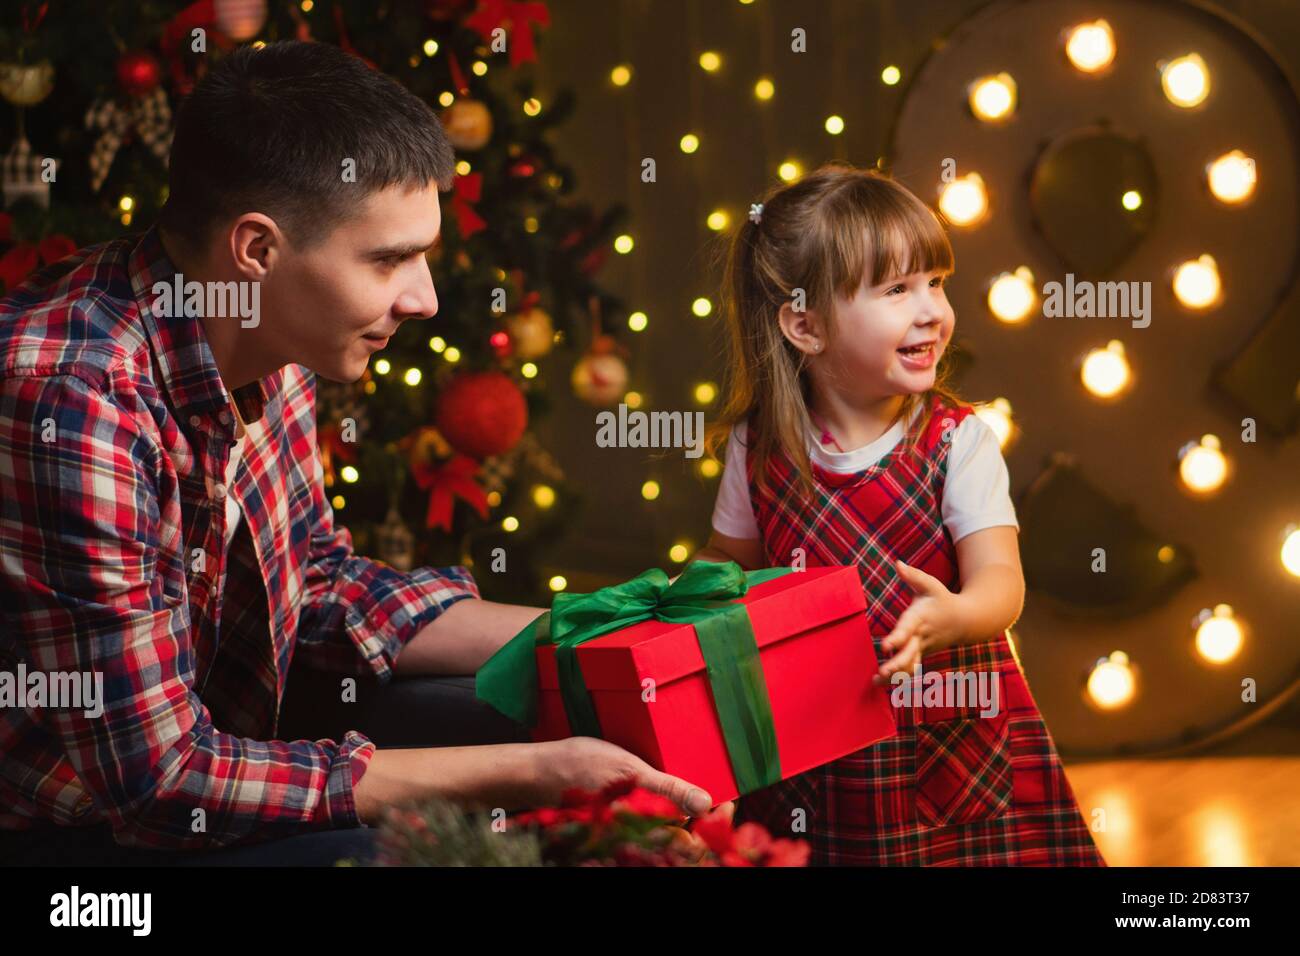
(268, 130)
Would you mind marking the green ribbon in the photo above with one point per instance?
(704, 596)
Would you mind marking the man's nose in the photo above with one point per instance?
(419, 300)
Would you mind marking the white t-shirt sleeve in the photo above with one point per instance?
(733, 512)
(976, 490)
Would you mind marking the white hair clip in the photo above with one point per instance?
(756, 212)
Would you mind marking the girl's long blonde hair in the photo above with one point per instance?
(819, 234)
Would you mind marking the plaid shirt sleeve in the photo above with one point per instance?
(82, 539)
(358, 614)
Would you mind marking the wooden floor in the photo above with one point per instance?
(1236, 806)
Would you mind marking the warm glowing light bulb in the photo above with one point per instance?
(710, 468)
(1091, 46)
(621, 75)
(532, 106)
(964, 201)
(789, 171)
(689, 143)
(718, 220)
(1186, 81)
(1131, 200)
(650, 490)
(623, 244)
(1232, 177)
(993, 98)
(430, 47)
(543, 496)
(632, 399)
(383, 367)
(764, 89)
(1202, 465)
(834, 125)
(1219, 635)
(1196, 282)
(1291, 550)
(349, 474)
(1112, 684)
(412, 376)
(528, 370)
(997, 415)
(702, 307)
(1013, 295)
(558, 582)
(705, 392)
(1106, 371)
(437, 343)
(510, 523)
(890, 75)
(710, 61)
(680, 551)
(451, 354)
(637, 321)
(338, 501)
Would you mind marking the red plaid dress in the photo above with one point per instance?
(953, 788)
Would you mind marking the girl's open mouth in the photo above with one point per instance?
(918, 357)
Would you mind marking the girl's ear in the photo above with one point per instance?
(802, 329)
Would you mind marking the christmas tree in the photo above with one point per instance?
(431, 456)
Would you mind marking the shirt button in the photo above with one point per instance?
(225, 417)
(195, 421)
(219, 491)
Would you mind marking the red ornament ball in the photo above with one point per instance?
(138, 73)
(482, 414)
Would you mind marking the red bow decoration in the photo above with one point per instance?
(516, 17)
(465, 190)
(20, 261)
(445, 483)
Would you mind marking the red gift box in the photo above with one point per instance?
(818, 661)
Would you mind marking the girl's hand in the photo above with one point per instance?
(932, 621)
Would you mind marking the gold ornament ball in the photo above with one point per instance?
(531, 333)
(468, 124)
(599, 379)
(26, 84)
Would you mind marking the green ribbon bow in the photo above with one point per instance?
(704, 596)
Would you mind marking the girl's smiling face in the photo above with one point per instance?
(878, 332)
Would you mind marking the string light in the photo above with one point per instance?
(834, 125)
(1112, 683)
(437, 343)
(1290, 554)
(710, 61)
(452, 354)
(705, 392)
(890, 75)
(650, 490)
(1202, 465)
(637, 321)
(558, 582)
(430, 47)
(623, 244)
(338, 501)
(1131, 200)
(997, 415)
(479, 68)
(702, 307)
(383, 366)
(709, 467)
(764, 89)
(1106, 371)
(532, 106)
(349, 474)
(446, 98)
(1196, 282)
(412, 376)
(718, 220)
(632, 400)
(463, 167)
(621, 75)
(689, 143)
(528, 370)
(1231, 177)
(494, 498)
(126, 204)
(1091, 46)
(1013, 295)
(680, 551)
(510, 523)
(530, 224)
(543, 496)
(1185, 81)
(964, 201)
(1218, 634)
(993, 98)
(790, 170)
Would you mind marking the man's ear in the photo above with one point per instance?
(802, 329)
(256, 244)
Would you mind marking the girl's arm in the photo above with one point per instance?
(747, 552)
(992, 582)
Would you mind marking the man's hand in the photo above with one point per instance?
(593, 764)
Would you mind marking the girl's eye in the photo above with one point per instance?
(938, 281)
(897, 288)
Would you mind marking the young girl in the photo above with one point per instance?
(845, 447)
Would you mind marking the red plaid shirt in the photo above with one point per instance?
(115, 434)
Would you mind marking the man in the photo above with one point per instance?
(163, 521)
